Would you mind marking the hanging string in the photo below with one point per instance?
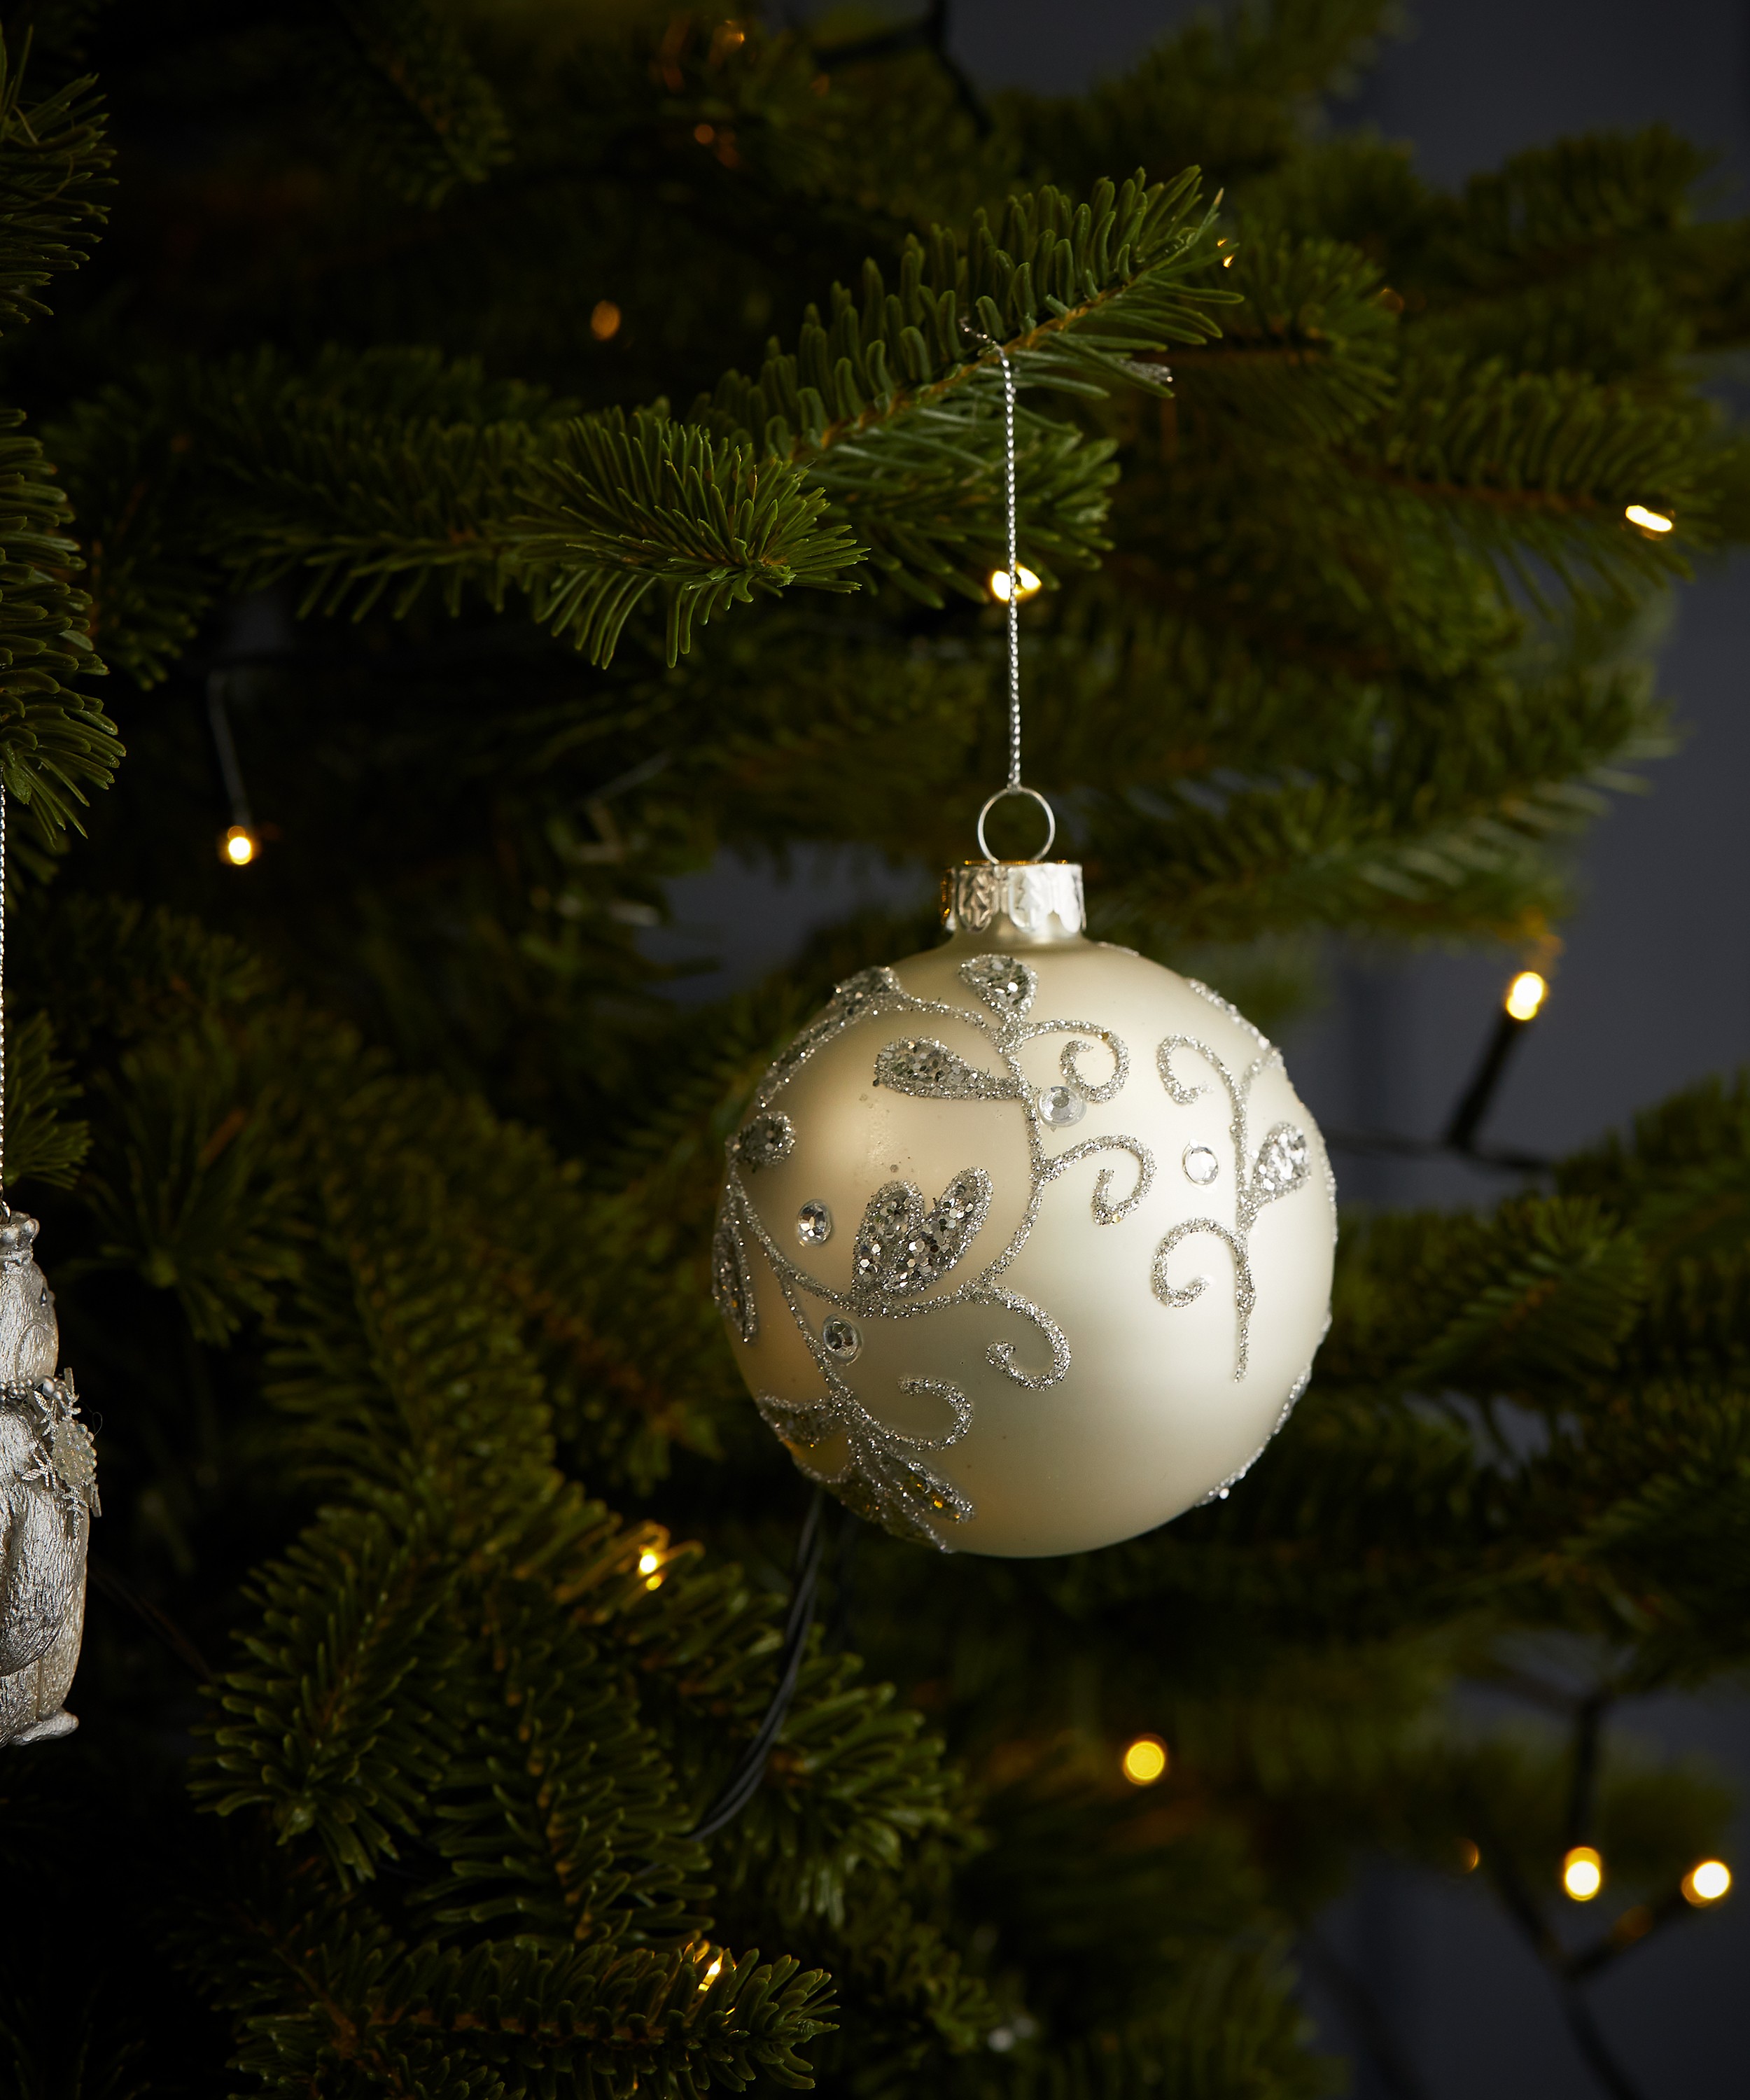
(1014, 785)
(1014, 597)
(3, 1210)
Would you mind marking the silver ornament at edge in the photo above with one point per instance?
(48, 1496)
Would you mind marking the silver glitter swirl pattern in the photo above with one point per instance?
(907, 1253)
(1282, 1163)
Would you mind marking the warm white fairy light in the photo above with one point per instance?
(1145, 1761)
(1526, 994)
(1583, 1873)
(1706, 1883)
(1649, 521)
(1026, 584)
(238, 846)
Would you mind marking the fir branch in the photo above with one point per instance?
(42, 1143)
(1548, 466)
(1309, 358)
(188, 1185)
(403, 96)
(341, 1720)
(54, 740)
(55, 162)
(877, 438)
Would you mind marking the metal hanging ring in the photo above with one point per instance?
(1002, 795)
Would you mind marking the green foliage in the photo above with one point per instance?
(402, 95)
(54, 740)
(55, 165)
(435, 1516)
(41, 1145)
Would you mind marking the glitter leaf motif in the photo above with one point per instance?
(901, 1248)
(768, 1139)
(1285, 1160)
(921, 1065)
(1005, 984)
(865, 993)
(731, 1285)
(881, 1475)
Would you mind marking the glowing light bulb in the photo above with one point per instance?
(1526, 994)
(604, 319)
(1707, 1883)
(649, 1563)
(1026, 582)
(704, 133)
(712, 1974)
(1145, 1761)
(1469, 1859)
(1649, 521)
(1583, 1873)
(237, 848)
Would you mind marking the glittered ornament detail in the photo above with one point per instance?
(1060, 1106)
(1005, 983)
(930, 1068)
(865, 993)
(765, 1140)
(840, 1339)
(902, 1247)
(906, 1249)
(731, 1285)
(944, 1382)
(1283, 1163)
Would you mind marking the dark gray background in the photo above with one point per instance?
(1652, 989)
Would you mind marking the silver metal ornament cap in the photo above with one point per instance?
(1027, 901)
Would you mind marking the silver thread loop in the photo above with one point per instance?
(1015, 785)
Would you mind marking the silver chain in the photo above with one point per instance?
(1013, 785)
(1014, 599)
(3, 1000)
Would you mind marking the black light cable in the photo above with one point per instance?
(743, 1782)
(1523, 1003)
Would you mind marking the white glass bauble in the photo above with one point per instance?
(1025, 1243)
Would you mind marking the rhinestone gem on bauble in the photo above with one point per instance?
(840, 1339)
(1060, 1106)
